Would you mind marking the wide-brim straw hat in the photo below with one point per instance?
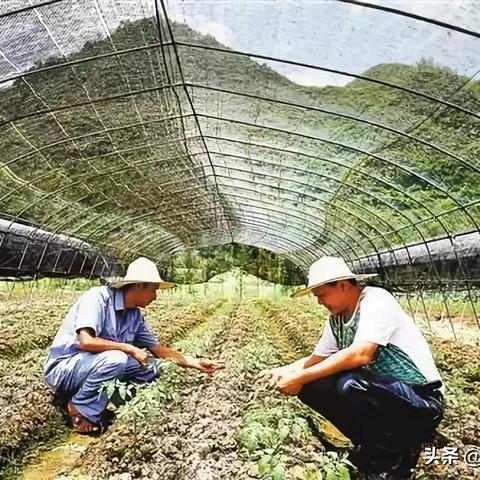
(328, 270)
(141, 270)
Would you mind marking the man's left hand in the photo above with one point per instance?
(207, 366)
(290, 384)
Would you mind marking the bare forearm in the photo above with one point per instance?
(98, 345)
(297, 365)
(338, 362)
(304, 362)
(357, 355)
(166, 352)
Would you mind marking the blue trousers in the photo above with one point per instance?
(386, 419)
(80, 376)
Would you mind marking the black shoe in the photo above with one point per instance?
(384, 463)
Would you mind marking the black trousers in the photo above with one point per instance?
(386, 419)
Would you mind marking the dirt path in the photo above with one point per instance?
(60, 460)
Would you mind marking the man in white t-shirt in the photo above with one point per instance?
(371, 374)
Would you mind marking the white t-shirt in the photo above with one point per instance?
(382, 321)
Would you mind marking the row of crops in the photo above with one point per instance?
(191, 426)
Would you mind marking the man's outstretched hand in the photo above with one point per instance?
(207, 366)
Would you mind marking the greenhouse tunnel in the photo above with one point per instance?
(130, 129)
(258, 136)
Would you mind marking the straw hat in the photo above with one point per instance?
(327, 270)
(142, 270)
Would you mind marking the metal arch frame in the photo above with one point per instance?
(317, 236)
(246, 216)
(338, 163)
(42, 100)
(333, 240)
(360, 171)
(149, 214)
(320, 234)
(408, 225)
(294, 152)
(322, 175)
(267, 185)
(87, 103)
(310, 195)
(253, 226)
(267, 175)
(337, 144)
(441, 214)
(92, 134)
(243, 212)
(278, 245)
(420, 233)
(97, 115)
(85, 177)
(332, 113)
(225, 139)
(233, 52)
(433, 217)
(167, 21)
(311, 137)
(69, 139)
(136, 165)
(343, 209)
(177, 61)
(231, 92)
(132, 99)
(338, 207)
(329, 70)
(364, 173)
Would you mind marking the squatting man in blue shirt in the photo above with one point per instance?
(371, 374)
(104, 337)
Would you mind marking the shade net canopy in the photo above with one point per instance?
(152, 127)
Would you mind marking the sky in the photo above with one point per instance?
(325, 33)
(338, 35)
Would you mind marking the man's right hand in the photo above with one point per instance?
(141, 356)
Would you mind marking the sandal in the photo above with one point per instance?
(81, 424)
